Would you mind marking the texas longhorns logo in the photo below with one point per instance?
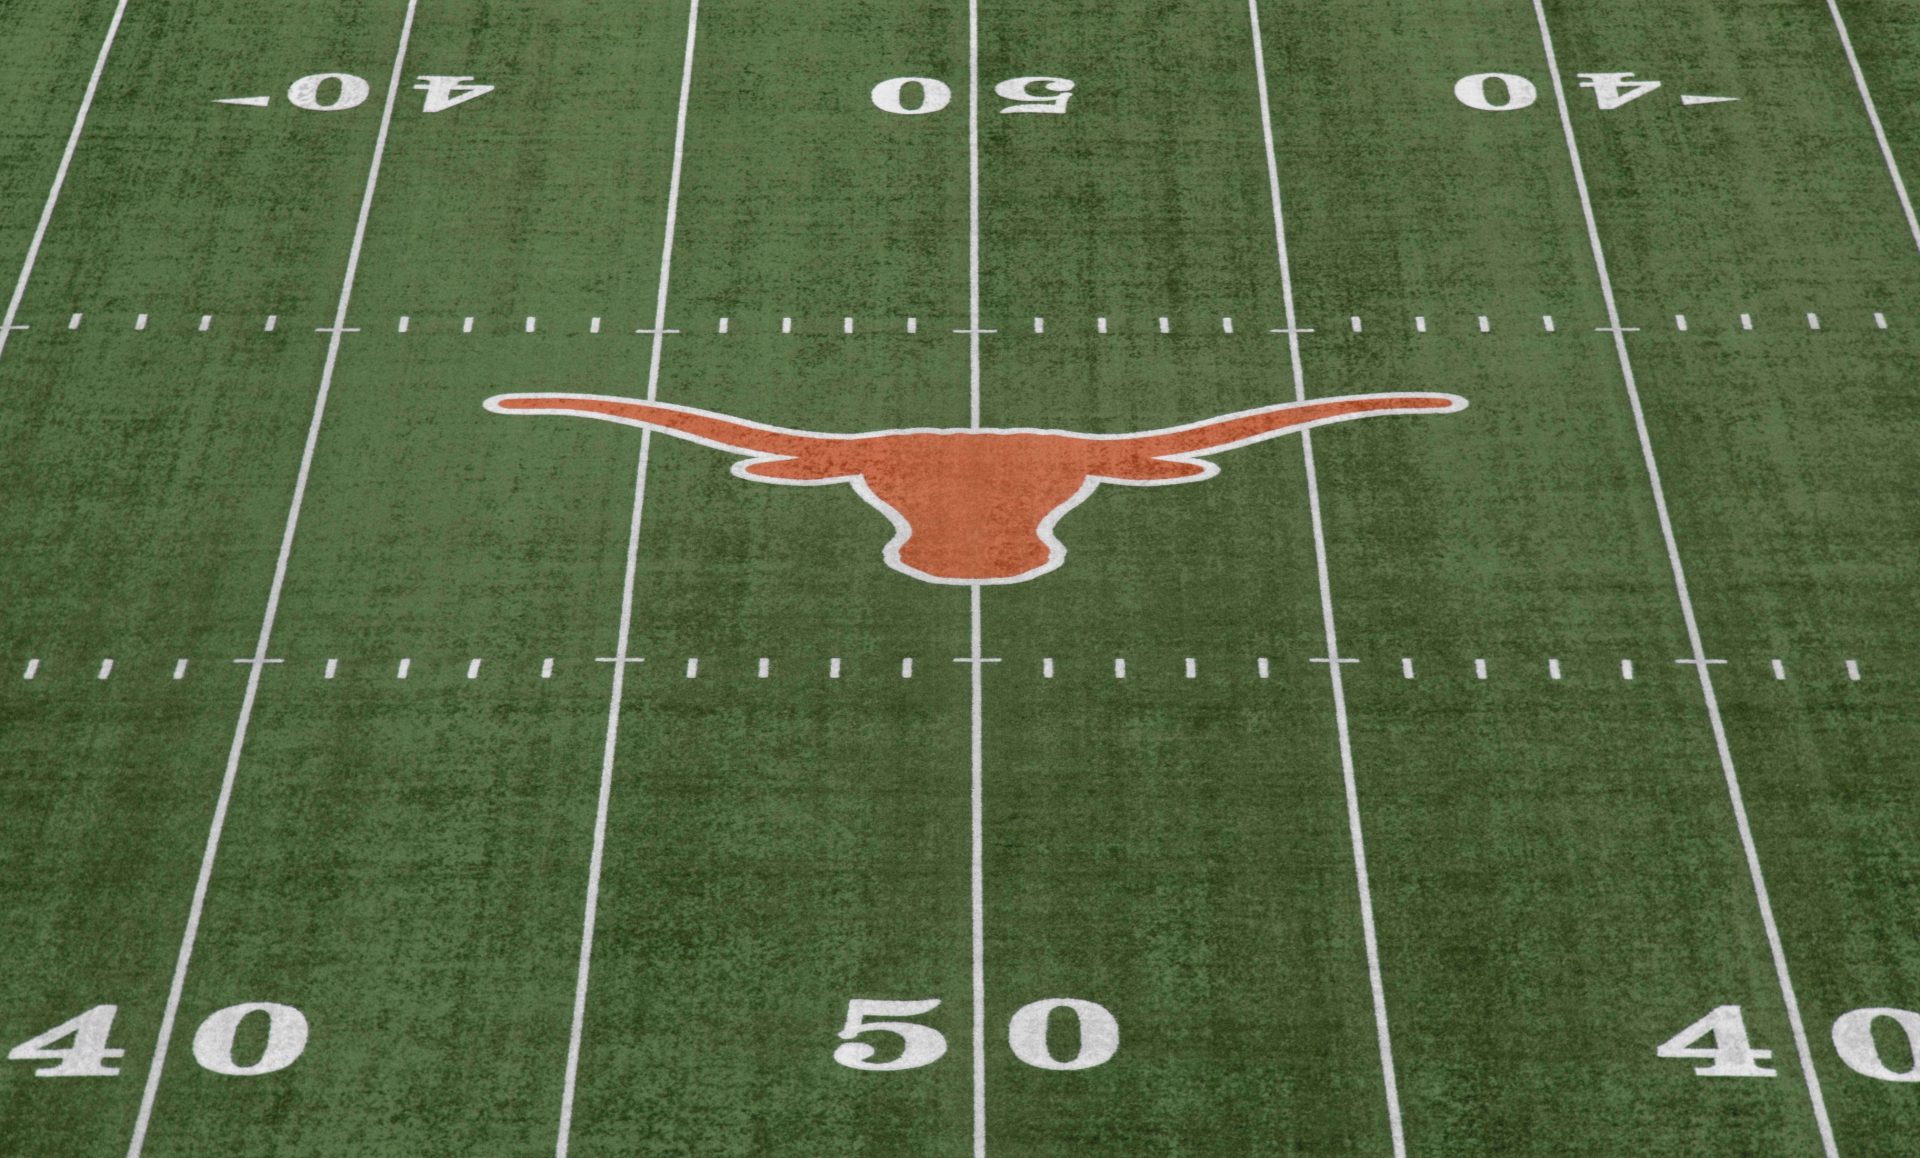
(974, 506)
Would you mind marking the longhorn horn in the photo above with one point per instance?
(703, 426)
(1235, 430)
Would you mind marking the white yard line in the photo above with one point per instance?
(260, 659)
(1873, 118)
(620, 657)
(976, 778)
(1699, 660)
(59, 178)
(1334, 660)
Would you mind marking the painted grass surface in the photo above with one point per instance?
(1556, 874)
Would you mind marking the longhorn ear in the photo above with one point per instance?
(791, 470)
(1134, 468)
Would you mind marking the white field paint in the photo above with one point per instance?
(1853, 669)
(833, 668)
(1119, 669)
(906, 669)
(1395, 1128)
(59, 180)
(1779, 670)
(73, 323)
(1626, 669)
(786, 325)
(473, 669)
(1680, 322)
(546, 668)
(258, 663)
(1420, 325)
(1746, 321)
(405, 321)
(1699, 658)
(401, 672)
(206, 322)
(1873, 118)
(1100, 324)
(1193, 668)
(1166, 325)
(976, 667)
(1226, 325)
(1486, 324)
(180, 669)
(140, 323)
(466, 325)
(272, 321)
(333, 669)
(1553, 669)
(106, 668)
(766, 667)
(1879, 321)
(1406, 667)
(623, 639)
(1546, 322)
(724, 321)
(1046, 668)
(913, 325)
(1479, 669)
(1264, 667)
(1813, 321)
(33, 669)
(593, 325)
(693, 667)
(1355, 322)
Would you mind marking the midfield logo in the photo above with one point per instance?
(975, 506)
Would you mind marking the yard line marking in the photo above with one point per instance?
(401, 672)
(1626, 669)
(333, 667)
(180, 669)
(766, 667)
(546, 668)
(1486, 326)
(140, 323)
(106, 668)
(693, 667)
(1546, 322)
(1039, 325)
(73, 323)
(473, 669)
(1701, 665)
(1813, 321)
(1392, 1089)
(1193, 670)
(1746, 321)
(1420, 324)
(833, 668)
(1680, 322)
(1119, 669)
(1553, 669)
(1853, 669)
(1046, 668)
(976, 872)
(1165, 326)
(1873, 118)
(786, 325)
(272, 321)
(913, 325)
(906, 668)
(593, 325)
(206, 322)
(1479, 669)
(33, 669)
(531, 322)
(165, 1037)
(723, 325)
(846, 325)
(1406, 667)
(466, 325)
(405, 321)
(1263, 667)
(59, 178)
(1879, 320)
(1100, 324)
(1355, 320)
(1226, 325)
(623, 639)
(1779, 670)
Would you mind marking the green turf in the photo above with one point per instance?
(1556, 874)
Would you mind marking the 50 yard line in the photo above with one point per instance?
(976, 878)
(620, 658)
(260, 659)
(59, 178)
(1699, 660)
(1376, 983)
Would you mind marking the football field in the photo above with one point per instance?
(847, 577)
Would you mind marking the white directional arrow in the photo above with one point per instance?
(250, 102)
(1705, 100)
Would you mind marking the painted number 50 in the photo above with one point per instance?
(922, 1045)
(915, 96)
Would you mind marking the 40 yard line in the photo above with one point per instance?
(1699, 660)
(260, 659)
(59, 178)
(620, 658)
(1334, 660)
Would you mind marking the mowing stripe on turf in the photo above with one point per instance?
(620, 657)
(1701, 664)
(258, 662)
(1873, 117)
(59, 178)
(1333, 659)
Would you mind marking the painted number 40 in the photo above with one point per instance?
(922, 1045)
(1720, 1040)
(78, 1047)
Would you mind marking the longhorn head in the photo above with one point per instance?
(974, 506)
